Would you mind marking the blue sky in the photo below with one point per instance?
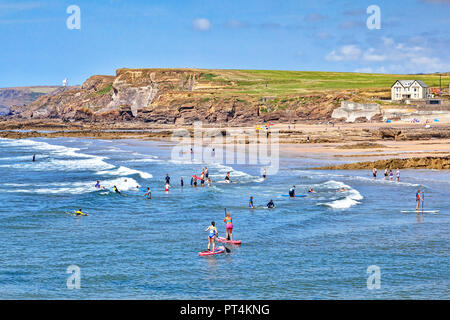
(37, 48)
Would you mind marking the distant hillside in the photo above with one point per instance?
(182, 96)
(23, 95)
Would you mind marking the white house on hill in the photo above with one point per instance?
(409, 89)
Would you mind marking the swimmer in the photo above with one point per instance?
(271, 205)
(116, 190)
(341, 190)
(209, 182)
(80, 213)
(229, 223)
(97, 185)
(212, 235)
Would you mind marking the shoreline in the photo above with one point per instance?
(349, 142)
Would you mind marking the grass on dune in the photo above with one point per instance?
(273, 82)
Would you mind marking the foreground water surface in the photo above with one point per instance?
(317, 247)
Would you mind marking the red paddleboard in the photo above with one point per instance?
(208, 253)
(223, 240)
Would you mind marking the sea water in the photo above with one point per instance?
(129, 247)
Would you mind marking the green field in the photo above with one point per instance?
(268, 82)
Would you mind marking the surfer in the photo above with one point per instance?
(271, 205)
(148, 193)
(116, 190)
(292, 192)
(167, 178)
(229, 223)
(227, 177)
(418, 199)
(212, 235)
(374, 173)
(250, 203)
(80, 213)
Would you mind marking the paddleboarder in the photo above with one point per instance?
(212, 235)
(418, 199)
(229, 229)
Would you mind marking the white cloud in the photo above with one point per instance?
(345, 53)
(201, 24)
(396, 58)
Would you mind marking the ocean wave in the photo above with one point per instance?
(125, 171)
(345, 199)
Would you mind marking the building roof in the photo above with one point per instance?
(408, 83)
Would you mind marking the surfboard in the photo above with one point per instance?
(223, 240)
(218, 250)
(424, 211)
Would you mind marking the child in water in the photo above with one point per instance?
(212, 235)
(229, 223)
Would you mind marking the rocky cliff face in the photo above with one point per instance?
(173, 96)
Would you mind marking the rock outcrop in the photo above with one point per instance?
(174, 96)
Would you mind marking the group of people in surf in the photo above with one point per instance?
(388, 174)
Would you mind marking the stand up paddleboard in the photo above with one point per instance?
(297, 195)
(223, 240)
(218, 250)
(420, 211)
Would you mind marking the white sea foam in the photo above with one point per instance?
(347, 199)
(124, 171)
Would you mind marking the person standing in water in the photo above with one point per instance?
(206, 172)
(397, 175)
(374, 173)
(229, 229)
(181, 182)
(386, 173)
(250, 203)
(166, 188)
(264, 173)
(34, 158)
(391, 175)
(148, 194)
(292, 192)
(271, 205)
(418, 199)
(212, 235)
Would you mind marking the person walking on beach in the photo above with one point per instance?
(397, 175)
(212, 235)
(374, 173)
(418, 199)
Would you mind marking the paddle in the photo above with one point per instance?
(423, 199)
